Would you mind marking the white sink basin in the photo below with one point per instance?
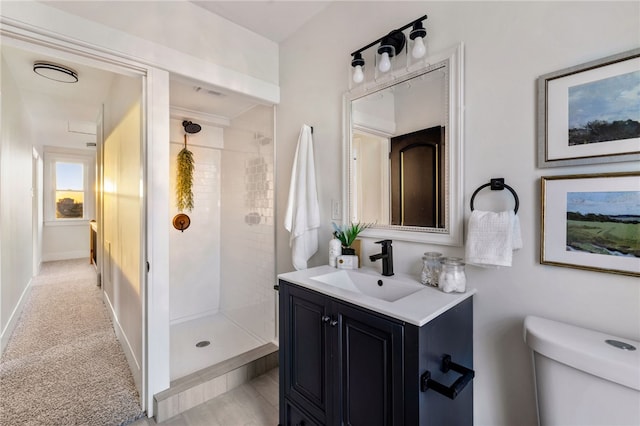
(378, 286)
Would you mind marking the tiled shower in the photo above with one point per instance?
(223, 265)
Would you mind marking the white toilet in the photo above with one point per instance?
(580, 378)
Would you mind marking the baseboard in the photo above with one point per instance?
(13, 318)
(134, 365)
(66, 255)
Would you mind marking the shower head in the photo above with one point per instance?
(190, 127)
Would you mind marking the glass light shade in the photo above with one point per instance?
(385, 62)
(358, 75)
(419, 49)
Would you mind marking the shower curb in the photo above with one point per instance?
(203, 385)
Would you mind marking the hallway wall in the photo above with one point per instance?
(507, 46)
(16, 240)
(122, 274)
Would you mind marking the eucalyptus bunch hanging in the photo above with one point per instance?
(184, 178)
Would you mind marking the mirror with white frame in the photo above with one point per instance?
(403, 154)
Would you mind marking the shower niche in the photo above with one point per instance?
(222, 269)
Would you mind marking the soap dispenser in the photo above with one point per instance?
(335, 250)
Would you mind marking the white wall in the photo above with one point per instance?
(37, 208)
(191, 29)
(507, 46)
(195, 253)
(122, 217)
(16, 241)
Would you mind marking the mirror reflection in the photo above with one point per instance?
(398, 152)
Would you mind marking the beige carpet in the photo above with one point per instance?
(63, 364)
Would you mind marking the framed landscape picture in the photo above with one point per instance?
(590, 113)
(592, 222)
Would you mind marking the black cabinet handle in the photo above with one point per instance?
(454, 390)
(327, 319)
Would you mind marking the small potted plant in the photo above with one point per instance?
(347, 234)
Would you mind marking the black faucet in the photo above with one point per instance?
(386, 256)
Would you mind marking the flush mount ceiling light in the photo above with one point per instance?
(55, 72)
(391, 45)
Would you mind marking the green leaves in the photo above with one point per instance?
(184, 180)
(348, 233)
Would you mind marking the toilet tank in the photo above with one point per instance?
(581, 379)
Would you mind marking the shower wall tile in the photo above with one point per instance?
(195, 253)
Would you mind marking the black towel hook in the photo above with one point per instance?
(497, 184)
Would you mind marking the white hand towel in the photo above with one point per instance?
(492, 237)
(302, 218)
(516, 238)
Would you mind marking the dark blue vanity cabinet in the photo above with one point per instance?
(341, 364)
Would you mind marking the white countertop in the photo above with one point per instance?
(417, 308)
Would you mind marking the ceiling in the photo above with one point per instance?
(275, 20)
(56, 107)
(62, 112)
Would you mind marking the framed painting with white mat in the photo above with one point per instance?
(590, 113)
(591, 222)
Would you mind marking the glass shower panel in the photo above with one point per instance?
(247, 214)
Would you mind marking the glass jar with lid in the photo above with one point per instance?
(431, 268)
(452, 276)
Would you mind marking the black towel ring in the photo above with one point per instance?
(497, 185)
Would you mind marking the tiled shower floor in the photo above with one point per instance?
(225, 337)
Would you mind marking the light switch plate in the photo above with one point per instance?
(336, 210)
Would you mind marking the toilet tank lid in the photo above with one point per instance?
(585, 350)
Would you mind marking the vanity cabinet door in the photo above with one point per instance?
(304, 327)
(370, 353)
(294, 417)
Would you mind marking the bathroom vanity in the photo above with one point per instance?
(363, 349)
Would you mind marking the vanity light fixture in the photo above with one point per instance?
(55, 72)
(418, 34)
(390, 46)
(357, 63)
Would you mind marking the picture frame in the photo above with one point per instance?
(591, 222)
(589, 114)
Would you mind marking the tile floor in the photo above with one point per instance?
(253, 404)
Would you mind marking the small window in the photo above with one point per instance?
(69, 190)
(68, 183)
